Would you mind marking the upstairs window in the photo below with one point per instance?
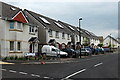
(19, 25)
(63, 35)
(50, 33)
(57, 34)
(59, 25)
(44, 20)
(11, 25)
(31, 29)
(68, 36)
(71, 28)
(76, 38)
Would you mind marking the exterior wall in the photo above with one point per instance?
(21, 36)
(107, 41)
(59, 40)
(0, 9)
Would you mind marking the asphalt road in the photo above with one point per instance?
(102, 66)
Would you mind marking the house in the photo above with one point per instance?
(17, 33)
(109, 41)
(86, 36)
(51, 31)
(25, 31)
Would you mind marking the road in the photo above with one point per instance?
(101, 66)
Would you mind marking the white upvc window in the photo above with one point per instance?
(12, 25)
(68, 36)
(31, 29)
(57, 34)
(50, 33)
(18, 46)
(76, 38)
(12, 45)
(63, 35)
(19, 25)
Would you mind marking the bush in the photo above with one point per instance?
(11, 58)
(5, 58)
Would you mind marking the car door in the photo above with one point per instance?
(54, 53)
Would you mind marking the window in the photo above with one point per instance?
(76, 38)
(68, 36)
(18, 46)
(63, 35)
(50, 33)
(57, 34)
(71, 28)
(11, 45)
(59, 25)
(19, 25)
(53, 50)
(44, 20)
(11, 25)
(63, 46)
(31, 29)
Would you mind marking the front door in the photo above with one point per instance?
(30, 48)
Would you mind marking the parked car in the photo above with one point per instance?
(71, 52)
(29, 54)
(52, 51)
(99, 51)
(106, 49)
(85, 51)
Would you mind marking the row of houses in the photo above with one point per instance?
(24, 31)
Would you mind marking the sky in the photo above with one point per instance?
(99, 16)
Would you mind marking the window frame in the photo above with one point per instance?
(11, 25)
(12, 45)
(18, 46)
(57, 34)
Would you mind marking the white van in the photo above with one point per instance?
(52, 51)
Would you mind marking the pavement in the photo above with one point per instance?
(1, 62)
(58, 60)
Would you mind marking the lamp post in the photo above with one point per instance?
(80, 35)
(110, 42)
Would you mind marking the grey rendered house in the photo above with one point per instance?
(17, 33)
(51, 31)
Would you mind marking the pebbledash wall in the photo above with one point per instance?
(17, 35)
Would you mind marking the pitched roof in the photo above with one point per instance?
(112, 38)
(49, 23)
(9, 11)
(20, 17)
(13, 13)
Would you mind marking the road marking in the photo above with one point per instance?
(3, 69)
(75, 73)
(46, 77)
(23, 73)
(12, 71)
(35, 75)
(98, 64)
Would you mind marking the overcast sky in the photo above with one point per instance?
(99, 16)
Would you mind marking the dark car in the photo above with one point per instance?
(71, 52)
(106, 49)
(99, 51)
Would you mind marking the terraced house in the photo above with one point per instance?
(24, 31)
(17, 34)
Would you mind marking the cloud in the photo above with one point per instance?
(99, 16)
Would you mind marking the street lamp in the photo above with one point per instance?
(110, 42)
(80, 36)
